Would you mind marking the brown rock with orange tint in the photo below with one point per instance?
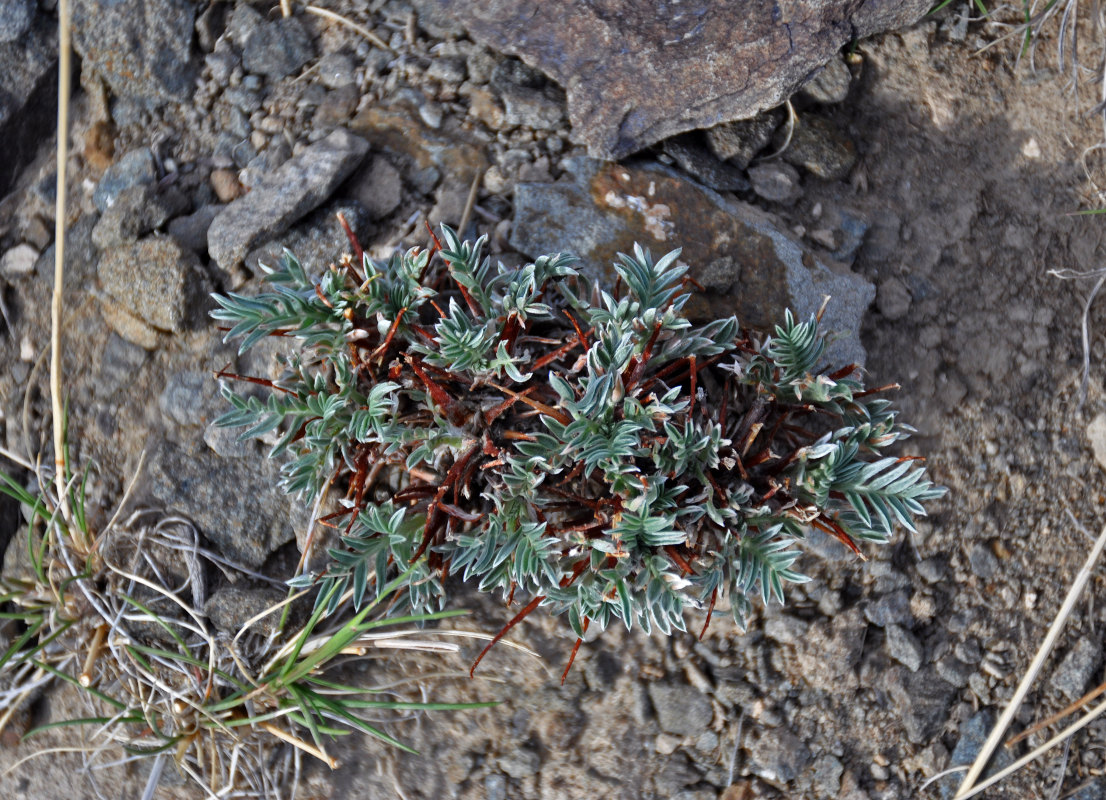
(746, 263)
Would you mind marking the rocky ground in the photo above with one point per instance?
(928, 189)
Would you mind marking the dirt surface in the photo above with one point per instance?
(863, 685)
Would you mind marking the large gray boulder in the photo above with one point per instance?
(28, 95)
(638, 71)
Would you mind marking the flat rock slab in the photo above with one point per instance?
(639, 71)
(156, 280)
(236, 503)
(292, 190)
(142, 48)
(746, 263)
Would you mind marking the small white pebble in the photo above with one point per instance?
(26, 349)
(20, 260)
(1031, 149)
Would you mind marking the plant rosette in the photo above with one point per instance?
(532, 432)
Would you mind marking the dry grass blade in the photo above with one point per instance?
(64, 72)
(968, 788)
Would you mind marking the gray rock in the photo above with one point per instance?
(264, 164)
(784, 628)
(921, 700)
(738, 142)
(137, 211)
(80, 256)
(378, 187)
(317, 241)
(852, 231)
(983, 562)
(337, 106)
(829, 652)
(242, 98)
(830, 84)
(231, 607)
(932, 569)
(296, 187)
(190, 398)
(973, 734)
(748, 265)
(954, 671)
(780, 756)
(495, 787)
(904, 647)
(520, 763)
(28, 99)
(236, 503)
(447, 69)
(681, 709)
(652, 75)
(826, 777)
(893, 299)
(700, 163)
(225, 442)
(335, 69)
(142, 48)
(210, 24)
(222, 61)
(277, 49)
(533, 108)
(1078, 668)
(890, 609)
(777, 182)
(820, 148)
(191, 230)
(136, 168)
(16, 17)
(156, 280)
(119, 364)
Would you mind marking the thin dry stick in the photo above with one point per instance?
(470, 201)
(1059, 715)
(1031, 673)
(372, 37)
(1092, 715)
(59, 257)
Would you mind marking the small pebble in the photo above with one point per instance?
(20, 260)
(226, 185)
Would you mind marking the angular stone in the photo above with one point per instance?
(694, 158)
(820, 148)
(780, 756)
(237, 503)
(681, 709)
(142, 48)
(28, 96)
(15, 18)
(231, 607)
(378, 187)
(777, 182)
(133, 169)
(155, 279)
(636, 73)
(830, 84)
(277, 49)
(890, 609)
(921, 700)
(973, 734)
(749, 266)
(1078, 667)
(297, 186)
(738, 142)
(904, 647)
(137, 211)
